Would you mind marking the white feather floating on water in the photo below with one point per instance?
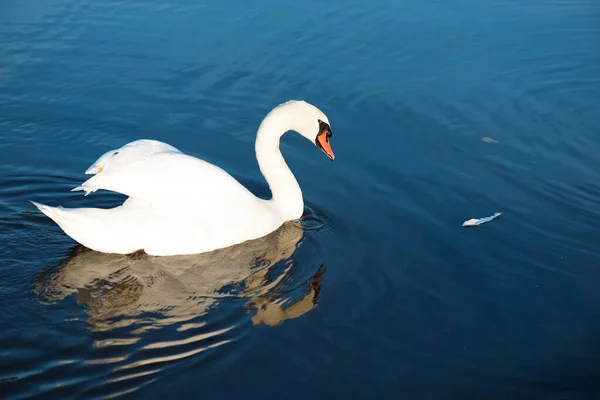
(479, 221)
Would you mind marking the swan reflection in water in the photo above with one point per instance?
(120, 291)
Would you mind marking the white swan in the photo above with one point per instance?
(179, 204)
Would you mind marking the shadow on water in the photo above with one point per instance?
(206, 301)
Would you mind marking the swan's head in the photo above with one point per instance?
(311, 123)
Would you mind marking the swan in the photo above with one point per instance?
(179, 205)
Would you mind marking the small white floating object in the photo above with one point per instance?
(479, 221)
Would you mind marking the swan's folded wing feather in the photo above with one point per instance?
(169, 179)
(128, 154)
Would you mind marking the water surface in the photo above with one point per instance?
(378, 291)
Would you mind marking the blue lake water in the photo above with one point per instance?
(441, 112)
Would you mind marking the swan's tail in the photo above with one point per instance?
(56, 214)
(108, 231)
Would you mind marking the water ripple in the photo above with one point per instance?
(206, 302)
(411, 88)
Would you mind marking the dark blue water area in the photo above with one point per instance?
(440, 111)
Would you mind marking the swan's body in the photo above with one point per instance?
(179, 204)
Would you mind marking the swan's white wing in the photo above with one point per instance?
(128, 154)
(162, 176)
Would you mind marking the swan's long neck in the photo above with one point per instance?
(287, 196)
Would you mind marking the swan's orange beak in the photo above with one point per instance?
(322, 142)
